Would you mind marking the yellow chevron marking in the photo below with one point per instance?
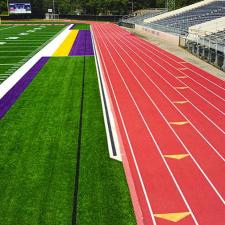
(181, 102)
(65, 47)
(179, 123)
(174, 217)
(178, 156)
(181, 88)
(184, 68)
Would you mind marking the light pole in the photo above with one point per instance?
(53, 6)
(132, 5)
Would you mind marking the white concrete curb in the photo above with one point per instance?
(110, 125)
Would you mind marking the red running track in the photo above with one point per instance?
(170, 115)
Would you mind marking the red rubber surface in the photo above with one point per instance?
(144, 84)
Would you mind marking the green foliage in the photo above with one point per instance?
(96, 7)
(182, 3)
(3, 7)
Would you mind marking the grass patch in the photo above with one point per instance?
(38, 142)
(38, 148)
(103, 196)
(80, 26)
(34, 22)
(25, 45)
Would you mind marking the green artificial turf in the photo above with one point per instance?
(18, 51)
(103, 196)
(33, 22)
(39, 142)
(81, 26)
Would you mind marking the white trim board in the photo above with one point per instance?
(108, 106)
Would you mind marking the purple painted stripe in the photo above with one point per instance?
(79, 47)
(74, 25)
(13, 94)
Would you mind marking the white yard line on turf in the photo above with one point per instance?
(48, 50)
(6, 28)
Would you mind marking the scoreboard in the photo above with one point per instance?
(19, 8)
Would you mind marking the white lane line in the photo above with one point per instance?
(223, 113)
(150, 133)
(173, 103)
(206, 177)
(128, 139)
(167, 55)
(155, 48)
(138, 49)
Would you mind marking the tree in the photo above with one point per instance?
(94, 7)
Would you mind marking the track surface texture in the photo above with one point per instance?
(170, 116)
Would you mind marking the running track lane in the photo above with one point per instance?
(151, 90)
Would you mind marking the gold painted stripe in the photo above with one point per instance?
(173, 217)
(181, 88)
(180, 102)
(65, 47)
(182, 77)
(179, 123)
(177, 156)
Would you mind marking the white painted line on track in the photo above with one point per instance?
(129, 143)
(203, 173)
(147, 63)
(149, 131)
(155, 48)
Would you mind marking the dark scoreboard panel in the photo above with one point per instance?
(19, 8)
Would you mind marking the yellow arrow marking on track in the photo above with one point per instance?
(181, 88)
(174, 217)
(184, 68)
(182, 77)
(180, 102)
(178, 156)
(179, 123)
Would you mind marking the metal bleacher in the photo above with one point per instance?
(179, 22)
(207, 41)
(140, 18)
